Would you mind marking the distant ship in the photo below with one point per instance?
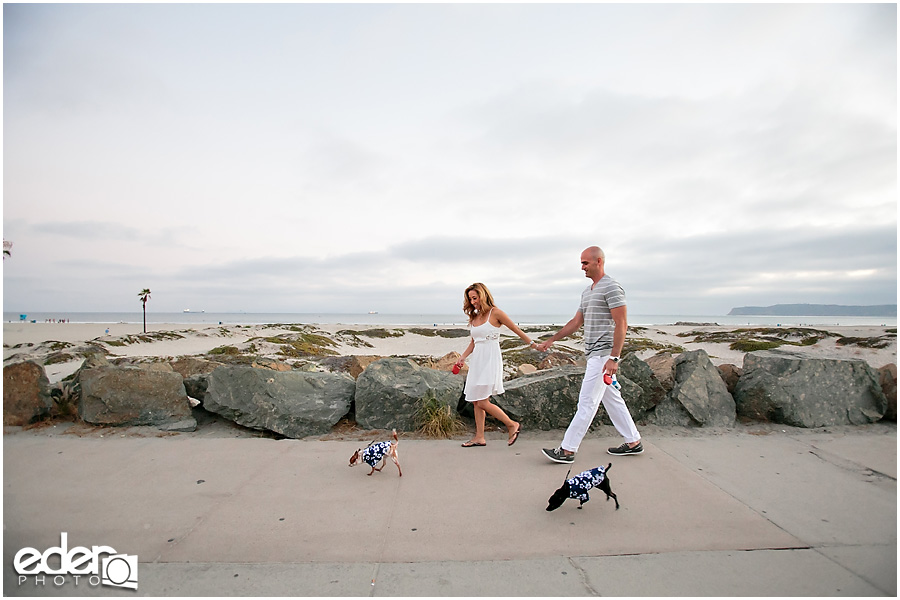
(373, 312)
(187, 310)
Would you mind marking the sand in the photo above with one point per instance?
(34, 341)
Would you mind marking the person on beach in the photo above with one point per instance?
(485, 376)
(603, 314)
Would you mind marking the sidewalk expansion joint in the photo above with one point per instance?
(584, 577)
(842, 463)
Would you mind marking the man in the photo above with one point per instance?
(603, 314)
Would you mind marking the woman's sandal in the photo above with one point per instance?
(514, 437)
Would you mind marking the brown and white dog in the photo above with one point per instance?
(373, 453)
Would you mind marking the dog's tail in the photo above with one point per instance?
(608, 467)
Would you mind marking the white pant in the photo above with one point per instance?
(593, 392)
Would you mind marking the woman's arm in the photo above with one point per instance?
(503, 319)
(567, 330)
(462, 359)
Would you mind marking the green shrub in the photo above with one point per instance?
(226, 350)
(753, 345)
(871, 342)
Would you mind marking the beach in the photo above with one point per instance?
(25, 340)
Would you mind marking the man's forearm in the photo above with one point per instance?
(567, 330)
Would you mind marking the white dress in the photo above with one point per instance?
(485, 376)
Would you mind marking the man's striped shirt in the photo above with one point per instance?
(598, 322)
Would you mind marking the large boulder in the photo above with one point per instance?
(699, 397)
(730, 375)
(639, 372)
(548, 399)
(26, 393)
(112, 395)
(390, 391)
(809, 392)
(663, 367)
(293, 403)
(544, 400)
(888, 377)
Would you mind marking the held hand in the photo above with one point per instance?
(544, 346)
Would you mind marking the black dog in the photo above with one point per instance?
(578, 487)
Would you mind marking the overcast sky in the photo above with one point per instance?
(348, 158)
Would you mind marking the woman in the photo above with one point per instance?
(485, 376)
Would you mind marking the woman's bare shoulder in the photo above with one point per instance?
(498, 316)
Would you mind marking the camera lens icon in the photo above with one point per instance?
(120, 570)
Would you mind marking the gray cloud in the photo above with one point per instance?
(343, 156)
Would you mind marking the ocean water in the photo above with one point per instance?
(201, 318)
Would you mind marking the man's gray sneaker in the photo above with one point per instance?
(624, 449)
(557, 455)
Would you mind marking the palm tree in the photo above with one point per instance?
(144, 295)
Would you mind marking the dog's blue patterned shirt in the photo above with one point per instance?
(581, 483)
(372, 454)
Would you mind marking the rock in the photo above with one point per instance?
(639, 372)
(293, 403)
(189, 366)
(809, 392)
(354, 365)
(271, 364)
(557, 359)
(183, 426)
(548, 399)
(195, 386)
(446, 362)
(131, 396)
(663, 367)
(526, 369)
(887, 375)
(730, 375)
(26, 393)
(544, 400)
(94, 359)
(699, 397)
(389, 392)
(142, 363)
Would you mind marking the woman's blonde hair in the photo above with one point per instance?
(484, 295)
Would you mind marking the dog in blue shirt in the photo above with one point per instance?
(578, 486)
(375, 452)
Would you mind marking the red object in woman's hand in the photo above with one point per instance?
(456, 369)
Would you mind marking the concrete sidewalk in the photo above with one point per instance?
(706, 514)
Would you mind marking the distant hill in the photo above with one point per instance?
(817, 310)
